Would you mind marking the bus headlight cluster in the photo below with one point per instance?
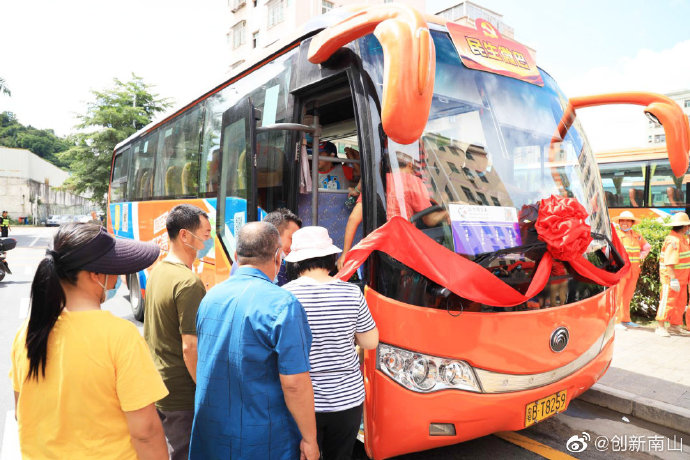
(425, 373)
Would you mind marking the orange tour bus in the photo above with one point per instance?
(485, 250)
(641, 181)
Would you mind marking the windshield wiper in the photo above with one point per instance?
(485, 258)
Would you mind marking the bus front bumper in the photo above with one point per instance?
(403, 417)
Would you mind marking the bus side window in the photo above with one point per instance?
(120, 173)
(141, 171)
(664, 188)
(178, 157)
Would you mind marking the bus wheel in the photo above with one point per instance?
(135, 299)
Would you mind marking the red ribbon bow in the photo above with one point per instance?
(561, 225)
(561, 216)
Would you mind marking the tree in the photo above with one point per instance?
(114, 115)
(42, 142)
(3, 87)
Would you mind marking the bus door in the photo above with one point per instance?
(236, 191)
(253, 168)
(255, 147)
(329, 165)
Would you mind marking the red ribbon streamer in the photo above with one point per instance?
(404, 242)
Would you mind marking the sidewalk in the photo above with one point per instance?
(649, 378)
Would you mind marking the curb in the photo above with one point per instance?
(660, 413)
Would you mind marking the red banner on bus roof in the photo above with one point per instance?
(485, 49)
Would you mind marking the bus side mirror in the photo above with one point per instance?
(409, 63)
(663, 110)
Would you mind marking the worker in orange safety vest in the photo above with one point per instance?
(674, 271)
(637, 248)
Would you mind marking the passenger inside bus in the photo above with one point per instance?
(675, 196)
(406, 193)
(213, 171)
(335, 185)
(636, 197)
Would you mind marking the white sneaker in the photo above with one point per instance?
(661, 331)
(678, 330)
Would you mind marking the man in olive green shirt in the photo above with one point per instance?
(173, 294)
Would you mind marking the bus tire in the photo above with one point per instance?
(136, 300)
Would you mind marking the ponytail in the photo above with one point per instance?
(47, 301)
(47, 296)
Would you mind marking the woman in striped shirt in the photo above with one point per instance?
(338, 317)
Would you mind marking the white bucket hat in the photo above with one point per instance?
(626, 215)
(678, 219)
(311, 242)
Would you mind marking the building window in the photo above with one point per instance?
(469, 195)
(495, 201)
(449, 194)
(276, 12)
(686, 104)
(483, 198)
(452, 167)
(236, 4)
(255, 39)
(482, 176)
(238, 34)
(326, 6)
(469, 156)
(468, 173)
(451, 149)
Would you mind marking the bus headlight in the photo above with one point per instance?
(425, 373)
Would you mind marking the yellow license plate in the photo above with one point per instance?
(544, 407)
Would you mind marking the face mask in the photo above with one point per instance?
(110, 293)
(203, 252)
(626, 229)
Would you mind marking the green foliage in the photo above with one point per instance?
(42, 142)
(114, 115)
(646, 298)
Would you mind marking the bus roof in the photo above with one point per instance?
(632, 154)
(311, 28)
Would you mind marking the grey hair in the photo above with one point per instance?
(257, 243)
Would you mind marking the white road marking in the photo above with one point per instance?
(35, 241)
(23, 307)
(29, 270)
(10, 439)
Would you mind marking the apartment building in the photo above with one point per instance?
(466, 13)
(655, 132)
(259, 24)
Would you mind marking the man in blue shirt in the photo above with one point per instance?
(254, 397)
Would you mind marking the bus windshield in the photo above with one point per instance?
(486, 158)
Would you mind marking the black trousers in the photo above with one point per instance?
(336, 432)
(5, 231)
